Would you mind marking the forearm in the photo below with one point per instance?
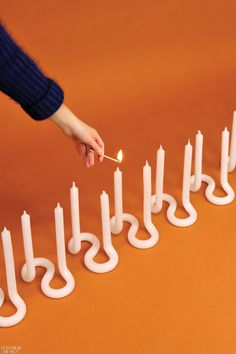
(23, 81)
(41, 97)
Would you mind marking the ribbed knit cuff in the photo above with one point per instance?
(23, 81)
(48, 104)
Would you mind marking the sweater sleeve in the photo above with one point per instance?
(23, 81)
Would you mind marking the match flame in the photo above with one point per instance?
(120, 155)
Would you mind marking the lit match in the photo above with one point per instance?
(118, 159)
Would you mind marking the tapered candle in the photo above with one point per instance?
(147, 190)
(118, 195)
(75, 216)
(9, 262)
(198, 162)
(160, 162)
(147, 209)
(60, 237)
(28, 246)
(105, 214)
(11, 284)
(187, 172)
(224, 156)
(228, 198)
(232, 157)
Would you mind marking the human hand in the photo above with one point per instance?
(84, 136)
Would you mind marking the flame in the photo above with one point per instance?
(120, 155)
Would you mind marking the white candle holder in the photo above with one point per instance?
(28, 271)
(15, 298)
(227, 164)
(117, 221)
(151, 204)
(74, 244)
(159, 197)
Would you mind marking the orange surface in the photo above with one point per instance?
(143, 73)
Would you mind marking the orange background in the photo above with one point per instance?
(144, 73)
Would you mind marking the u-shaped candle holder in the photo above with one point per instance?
(74, 244)
(159, 197)
(28, 271)
(117, 221)
(227, 164)
(15, 298)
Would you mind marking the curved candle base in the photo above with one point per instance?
(93, 251)
(73, 246)
(210, 189)
(12, 320)
(180, 222)
(132, 238)
(48, 276)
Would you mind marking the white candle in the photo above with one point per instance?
(118, 201)
(9, 262)
(160, 162)
(147, 210)
(28, 246)
(147, 190)
(11, 283)
(224, 156)
(198, 162)
(61, 256)
(232, 157)
(75, 217)
(60, 238)
(228, 198)
(105, 214)
(187, 173)
(183, 222)
(112, 262)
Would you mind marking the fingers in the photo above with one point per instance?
(86, 155)
(101, 144)
(94, 142)
(97, 145)
(90, 158)
(81, 148)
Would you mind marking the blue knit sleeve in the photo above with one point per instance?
(22, 80)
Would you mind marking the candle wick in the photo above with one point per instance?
(73, 184)
(58, 204)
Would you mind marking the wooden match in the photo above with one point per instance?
(109, 157)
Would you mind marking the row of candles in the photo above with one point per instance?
(151, 204)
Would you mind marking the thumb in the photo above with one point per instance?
(94, 145)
